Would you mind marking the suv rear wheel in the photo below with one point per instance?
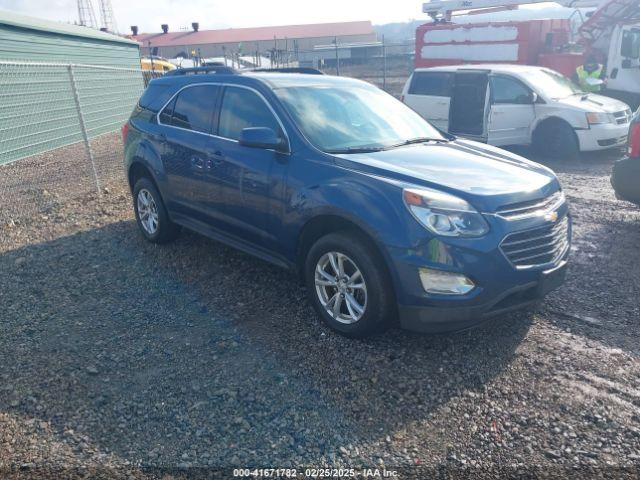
(151, 213)
(348, 285)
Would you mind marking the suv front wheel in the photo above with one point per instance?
(348, 285)
(151, 213)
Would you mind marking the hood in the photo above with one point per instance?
(594, 103)
(485, 175)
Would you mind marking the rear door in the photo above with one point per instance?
(512, 111)
(187, 125)
(429, 94)
(469, 98)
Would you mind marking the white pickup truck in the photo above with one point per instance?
(518, 105)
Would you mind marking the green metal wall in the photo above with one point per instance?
(26, 45)
(37, 107)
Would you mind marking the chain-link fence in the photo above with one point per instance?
(59, 123)
(59, 132)
(385, 64)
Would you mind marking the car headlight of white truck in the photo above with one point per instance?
(598, 118)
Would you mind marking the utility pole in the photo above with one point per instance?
(151, 57)
(384, 65)
(335, 40)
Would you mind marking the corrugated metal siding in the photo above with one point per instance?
(37, 107)
(36, 46)
(38, 111)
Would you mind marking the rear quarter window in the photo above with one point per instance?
(435, 84)
(155, 96)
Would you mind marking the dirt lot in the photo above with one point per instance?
(118, 357)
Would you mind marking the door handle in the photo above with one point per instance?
(197, 163)
(218, 158)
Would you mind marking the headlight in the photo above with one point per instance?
(444, 214)
(599, 118)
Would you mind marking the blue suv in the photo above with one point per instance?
(384, 218)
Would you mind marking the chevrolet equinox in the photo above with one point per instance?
(385, 218)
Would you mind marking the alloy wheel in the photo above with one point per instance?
(147, 211)
(340, 287)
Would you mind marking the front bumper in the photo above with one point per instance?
(602, 137)
(448, 319)
(500, 286)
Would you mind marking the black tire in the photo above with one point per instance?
(166, 230)
(556, 140)
(380, 306)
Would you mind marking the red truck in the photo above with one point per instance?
(626, 172)
(527, 43)
(611, 32)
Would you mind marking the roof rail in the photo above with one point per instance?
(306, 70)
(215, 69)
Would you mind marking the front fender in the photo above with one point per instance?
(373, 205)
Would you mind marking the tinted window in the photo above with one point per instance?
(194, 108)
(167, 112)
(509, 90)
(434, 84)
(155, 96)
(630, 44)
(242, 108)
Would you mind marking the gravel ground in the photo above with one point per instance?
(119, 358)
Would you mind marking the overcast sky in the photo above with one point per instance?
(150, 14)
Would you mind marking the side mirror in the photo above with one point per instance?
(534, 97)
(260, 137)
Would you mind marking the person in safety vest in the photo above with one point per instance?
(589, 71)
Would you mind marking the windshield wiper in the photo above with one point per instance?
(356, 150)
(419, 140)
(389, 147)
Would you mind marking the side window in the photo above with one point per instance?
(155, 96)
(436, 84)
(192, 109)
(630, 44)
(242, 108)
(507, 90)
(167, 112)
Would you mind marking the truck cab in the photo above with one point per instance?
(623, 65)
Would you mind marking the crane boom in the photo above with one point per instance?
(86, 15)
(444, 8)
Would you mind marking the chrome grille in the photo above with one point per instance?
(531, 208)
(538, 246)
(623, 117)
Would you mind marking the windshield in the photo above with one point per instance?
(344, 119)
(553, 84)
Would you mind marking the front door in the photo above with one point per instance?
(468, 104)
(247, 175)
(623, 65)
(187, 123)
(512, 112)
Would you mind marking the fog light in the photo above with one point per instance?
(445, 283)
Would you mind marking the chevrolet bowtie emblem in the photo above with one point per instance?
(551, 217)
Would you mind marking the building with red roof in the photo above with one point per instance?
(252, 41)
